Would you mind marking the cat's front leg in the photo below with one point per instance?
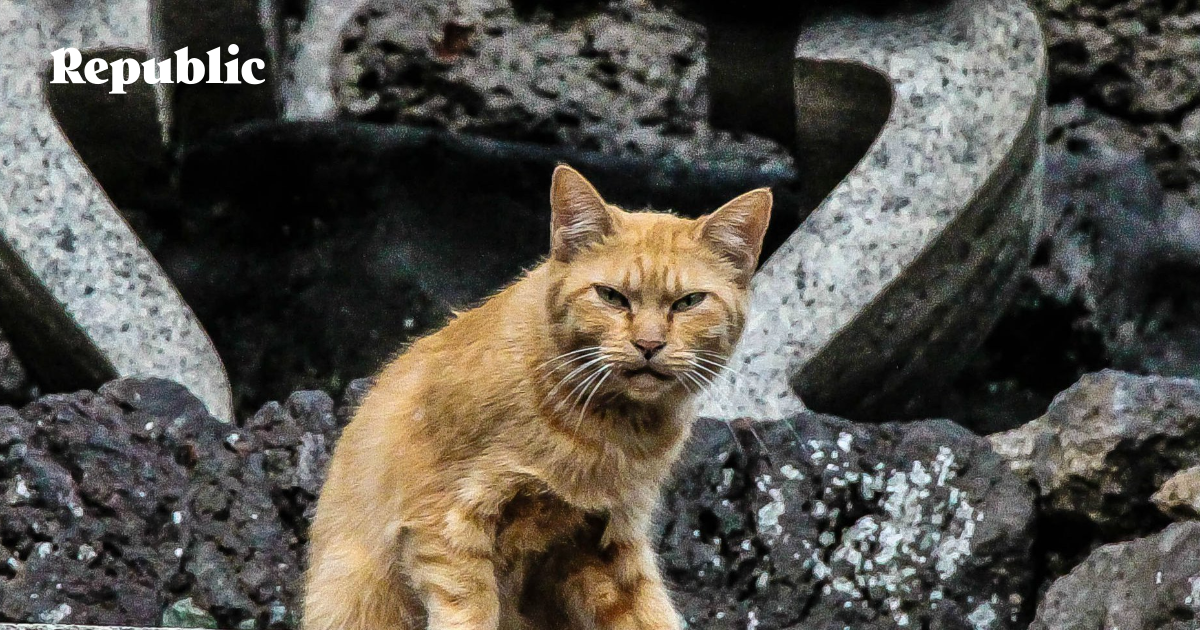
(455, 575)
(623, 590)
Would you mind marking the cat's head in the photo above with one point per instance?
(650, 304)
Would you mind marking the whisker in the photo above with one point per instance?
(607, 371)
(749, 425)
(787, 422)
(568, 354)
(723, 367)
(580, 388)
(709, 353)
(568, 377)
(566, 362)
(695, 379)
(736, 441)
(691, 377)
(758, 438)
(724, 378)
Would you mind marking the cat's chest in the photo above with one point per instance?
(534, 520)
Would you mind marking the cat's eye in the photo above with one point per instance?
(612, 296)
(688, 301)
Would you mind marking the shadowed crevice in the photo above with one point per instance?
(841, 108)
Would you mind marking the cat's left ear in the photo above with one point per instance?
(580, 218)
(736, 230)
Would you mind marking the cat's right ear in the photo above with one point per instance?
(579, 216)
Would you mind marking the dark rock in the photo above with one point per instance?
(1038, 348)
(1133, 60)
(120, 502)
(117, 506)
(828, 524)
(1100, 453)
(1105, 202)
(293, 443)
(1147, 584)
(143, 508)
(186, 614)
(1115, 282)
(16, 384)
(624, 77)
(1131, 57)
(1124, 250)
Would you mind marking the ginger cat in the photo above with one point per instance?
(503, 472)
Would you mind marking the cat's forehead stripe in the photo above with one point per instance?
(647, 274)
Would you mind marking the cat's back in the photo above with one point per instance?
(453, 374)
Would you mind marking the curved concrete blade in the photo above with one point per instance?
(897, 276)
(77, 287)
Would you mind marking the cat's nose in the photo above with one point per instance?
(649, 347)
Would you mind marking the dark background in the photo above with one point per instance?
(311, 252)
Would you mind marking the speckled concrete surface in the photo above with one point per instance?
(104, 278)
(907, 263)
(307, 90)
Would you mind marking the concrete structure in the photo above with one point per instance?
(81, 296)
(307, 86)
(898, 275)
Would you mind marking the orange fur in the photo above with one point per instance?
(502, 473)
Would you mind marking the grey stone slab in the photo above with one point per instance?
(79, 285)
(887, 287)
(307, 86)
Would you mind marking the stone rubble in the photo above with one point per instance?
(817, 522)
(1179, 497)
(629, 79)
(146, 510)
(1100, 453)
(1151, 583)
(132, 505)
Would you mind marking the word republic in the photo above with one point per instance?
(178, 69)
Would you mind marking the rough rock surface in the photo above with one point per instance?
(1122, 248)
(821, 523)
(1180, 495)
(626, 77)
(133, 506)
(292, 443)
(1102, 450)
(16, 385)
(1147, 584)
(1130, 56)
(119, 506)
(1135, 61)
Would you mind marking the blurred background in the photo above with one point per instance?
(313, 237)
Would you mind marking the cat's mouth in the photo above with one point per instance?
(646, 373)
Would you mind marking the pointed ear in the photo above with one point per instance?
(579, 216)
(736, 229)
